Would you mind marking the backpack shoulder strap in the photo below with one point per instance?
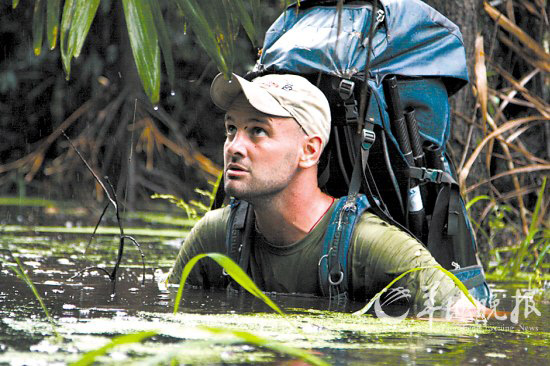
(237, 240)
(333, 263)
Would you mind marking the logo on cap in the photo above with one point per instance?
(272, 84)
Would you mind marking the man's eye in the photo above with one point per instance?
(258, 131)
(230, 130)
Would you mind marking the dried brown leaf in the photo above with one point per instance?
(523, 37)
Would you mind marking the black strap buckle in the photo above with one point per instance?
(368, 139)
(352, 113)
(426, 175)
(345, 89)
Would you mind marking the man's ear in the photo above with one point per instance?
(311, 152)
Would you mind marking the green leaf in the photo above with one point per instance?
(145, 47)
(164, 40)
(476, 199)
(233, 270)
(66, 21)
(14, 4)
(38, 26)
(75, 24)
(266, 343)
(533, 230)
(89, 357)
(245, 19)
(84, 15)
(52, 22)
(207, 38)
(542, 255)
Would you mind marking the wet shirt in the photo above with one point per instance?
(378, 253)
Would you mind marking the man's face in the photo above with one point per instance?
(261, 152)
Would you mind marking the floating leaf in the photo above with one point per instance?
(233, 270)
(145, 47)
(164, 40)
(38, 26)
(52, 22)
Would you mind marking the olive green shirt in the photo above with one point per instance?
(378, 253)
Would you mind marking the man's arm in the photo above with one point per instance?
(381, 252)
(207, 236)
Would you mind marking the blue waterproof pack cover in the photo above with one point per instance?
(410, 40)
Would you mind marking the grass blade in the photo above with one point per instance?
(164, 40)
(89, 358)
(52, 22)
(457, 282)
(232, 270)
(22, 274)
(533, 230)
(474, 200)
(38, 26)
(14, 4)
(265, 343)
(145, 48)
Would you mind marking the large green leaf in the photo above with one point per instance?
(164, 40)
(52, 22)
(38, 26)
(145, 47)
(84, 15)
(233, 270)
(66, 20)
(246, 20)
(75, 24)
(207, 38)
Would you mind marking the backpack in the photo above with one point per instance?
(387, 69)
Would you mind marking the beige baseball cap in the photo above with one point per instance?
(282, 95)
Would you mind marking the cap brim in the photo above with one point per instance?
(224, 92)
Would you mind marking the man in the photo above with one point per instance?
(276, 128)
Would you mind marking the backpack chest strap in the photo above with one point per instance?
(333, 263)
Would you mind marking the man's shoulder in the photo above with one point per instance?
(371, 227)
(214, 219)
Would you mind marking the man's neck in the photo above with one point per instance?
(289, 217)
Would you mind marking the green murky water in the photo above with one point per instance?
(50, 241)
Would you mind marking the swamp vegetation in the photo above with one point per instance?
(136, 107)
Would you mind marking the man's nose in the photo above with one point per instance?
(237, 145)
